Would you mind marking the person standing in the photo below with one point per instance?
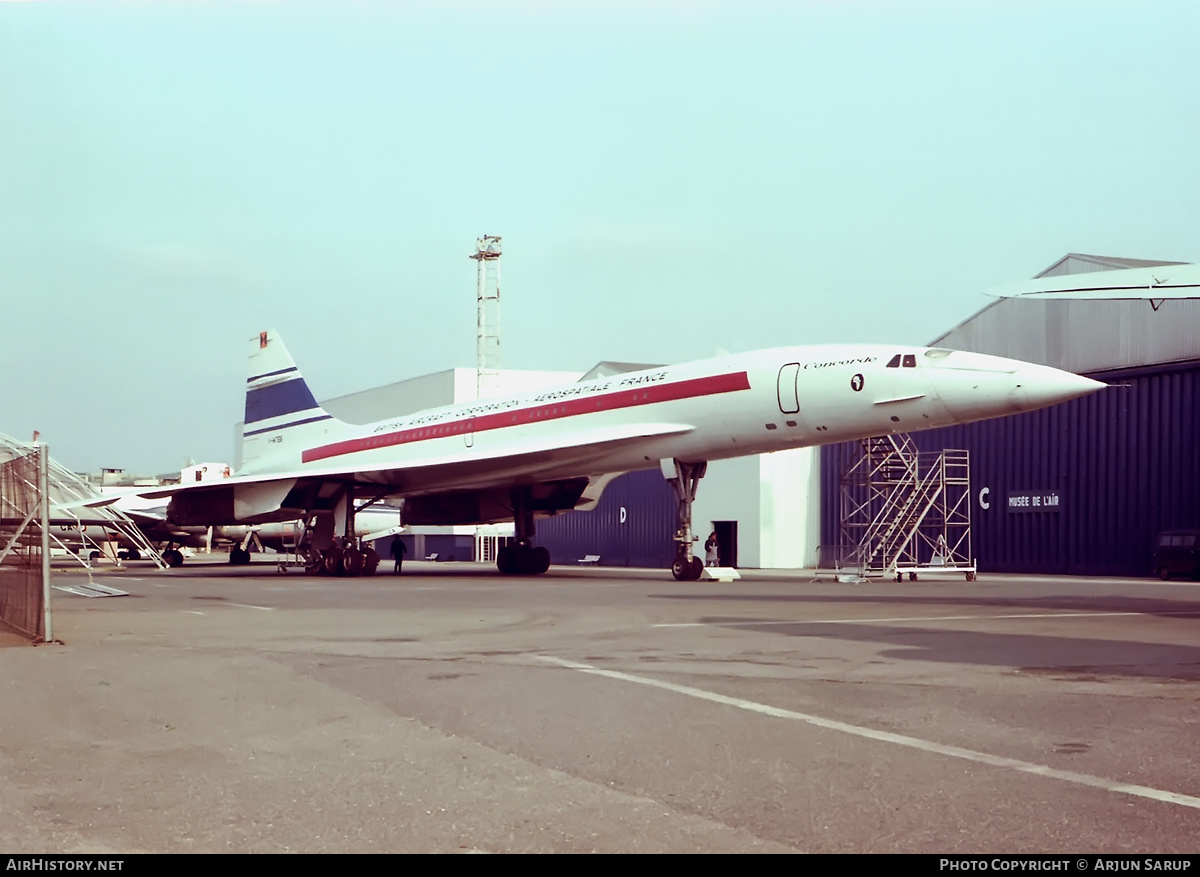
(710, 550)
(398, 551)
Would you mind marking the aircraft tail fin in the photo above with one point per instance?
(281, 413)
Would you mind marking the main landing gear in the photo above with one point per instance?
(342, 558)
(523, 558)
(239, 555)
(330, 555)
(685, 479)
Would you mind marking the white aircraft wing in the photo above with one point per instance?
(422, 474)
(278, 495)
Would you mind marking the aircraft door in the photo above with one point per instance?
(789, 395)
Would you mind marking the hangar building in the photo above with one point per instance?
(1119, 465)
(1122, 464)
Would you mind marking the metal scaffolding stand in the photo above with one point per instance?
(74, 527)
(906, 512)
(24, 545)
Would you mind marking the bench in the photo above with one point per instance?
(432, 556)
(589, 560)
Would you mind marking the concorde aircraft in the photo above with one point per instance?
(540, 453)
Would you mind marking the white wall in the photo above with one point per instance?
(776, 501)
(790, 504)
(729, 492)
(509, 382)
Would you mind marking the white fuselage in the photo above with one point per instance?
(729, 406)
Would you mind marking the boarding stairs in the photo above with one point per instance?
(905, 511)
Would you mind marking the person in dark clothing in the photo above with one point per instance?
(398, 551)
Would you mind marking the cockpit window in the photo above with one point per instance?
(910, 360)
(894, 362)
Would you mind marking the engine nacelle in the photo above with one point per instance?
(490, 506)
(232, 504)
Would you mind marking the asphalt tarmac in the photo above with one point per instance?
(236, 709)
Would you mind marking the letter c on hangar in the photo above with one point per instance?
(983, 498)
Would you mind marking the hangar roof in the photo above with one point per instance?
(433, 391)
(1100, 318)
(606, 367)
(1084, 263)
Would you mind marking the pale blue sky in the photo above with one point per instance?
(669, 179)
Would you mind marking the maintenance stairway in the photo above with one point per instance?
(906, 511)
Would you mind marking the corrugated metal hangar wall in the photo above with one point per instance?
(631, 525)
(1119, 465)
(1123, 464)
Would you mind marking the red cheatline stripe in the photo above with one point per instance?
(641, 395)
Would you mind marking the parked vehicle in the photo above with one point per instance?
(1177, 553)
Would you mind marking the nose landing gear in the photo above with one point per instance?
(685, 478)
(687, 567)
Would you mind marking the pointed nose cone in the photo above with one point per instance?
(977, 386)
(1040, 385)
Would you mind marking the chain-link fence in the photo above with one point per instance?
(24, 550)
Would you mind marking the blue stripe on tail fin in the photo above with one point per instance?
(278, 400)
(275, 388)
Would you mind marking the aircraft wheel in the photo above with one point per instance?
(239, 556)
(1164, 573)
(352, 562)
(173, 558)
(541, 559)
(331, 562)
(681, 569)
(370, 562)
(695, 569)
(506, 560)
(526, 564)
(133, 554)
(313, 562)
